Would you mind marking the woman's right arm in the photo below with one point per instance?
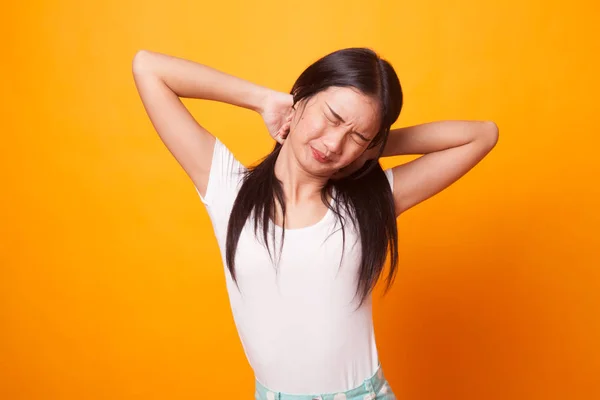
(162, 79)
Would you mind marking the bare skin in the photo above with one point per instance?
(449, 149)
(315, 125)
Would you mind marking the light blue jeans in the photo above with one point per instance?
(373, 388)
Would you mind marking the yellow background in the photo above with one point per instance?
(111, 285)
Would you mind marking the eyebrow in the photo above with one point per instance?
(336, 115)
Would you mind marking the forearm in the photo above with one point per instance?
(436, 136)
(189, 79)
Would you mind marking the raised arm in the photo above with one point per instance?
(450, 148)
(162, 80)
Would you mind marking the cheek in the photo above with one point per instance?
(352, 153)
(308, 129)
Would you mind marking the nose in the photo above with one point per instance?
(333, 140)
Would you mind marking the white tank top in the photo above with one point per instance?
(297, 320)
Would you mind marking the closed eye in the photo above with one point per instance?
(329, 119)
(361, 136)
(336, 123)
(338, 118)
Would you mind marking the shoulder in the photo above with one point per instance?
(389, 174)
(225, 177)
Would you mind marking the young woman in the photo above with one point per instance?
(305, 233)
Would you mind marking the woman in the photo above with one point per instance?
(293, 229)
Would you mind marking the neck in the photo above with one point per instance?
(298, 185)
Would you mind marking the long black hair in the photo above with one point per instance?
(365, 195)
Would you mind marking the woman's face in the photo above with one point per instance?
(332, 129)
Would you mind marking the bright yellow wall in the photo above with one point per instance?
(111, 285)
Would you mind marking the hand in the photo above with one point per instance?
(369, 154)
(277, 114)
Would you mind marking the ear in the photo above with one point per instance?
(297, 110)
(292, 118)
(293, 111)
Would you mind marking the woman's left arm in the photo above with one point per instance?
(450, 149)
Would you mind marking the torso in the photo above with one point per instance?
(296, 312)
(303, 215)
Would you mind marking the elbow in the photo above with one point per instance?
(141, 62)
(489, 133)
